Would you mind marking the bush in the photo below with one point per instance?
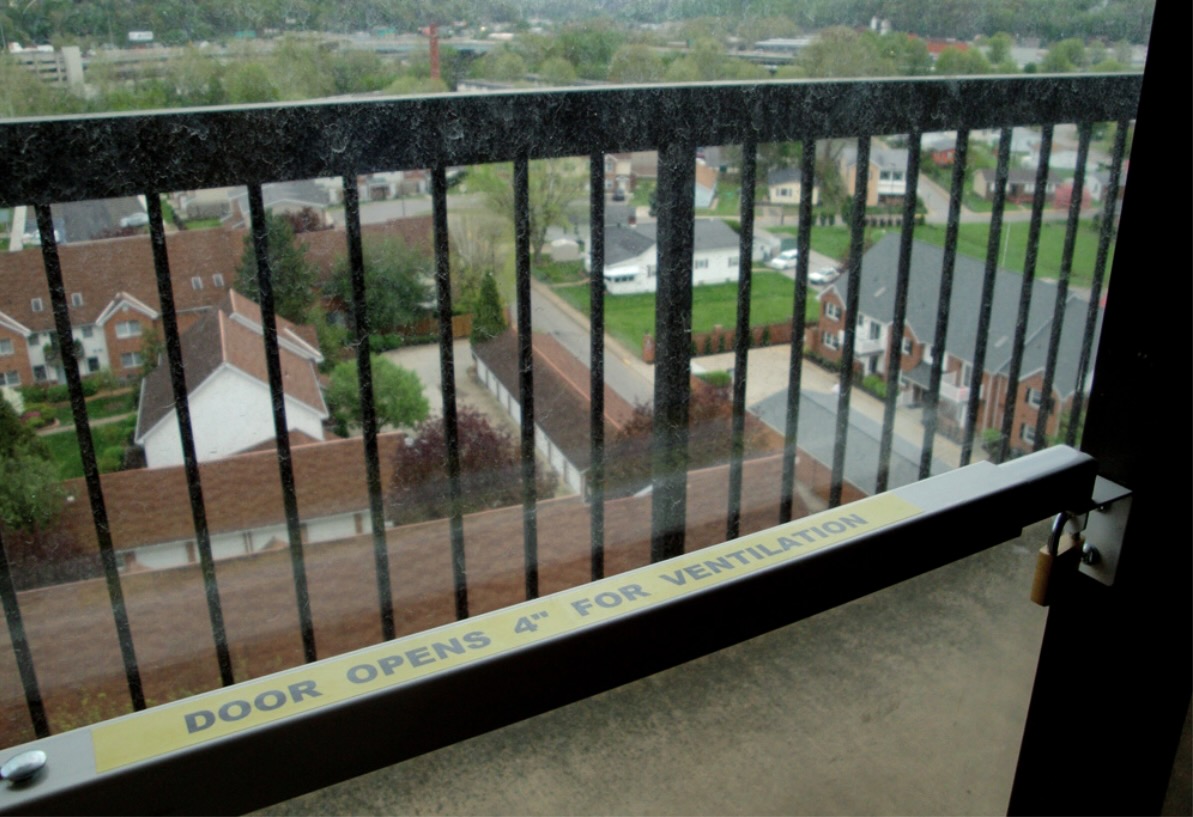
(490, 471)
(875, 384)
(110, 459)
(37, 415)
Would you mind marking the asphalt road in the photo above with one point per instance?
(624, 373)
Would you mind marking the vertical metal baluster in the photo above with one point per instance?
(895, 344)
(749, 161)
(1095, 292)
(447, 373)
(596, 471)
(526, 371)
(945, 302)
(20, 647)
(285, 464)
(852, 298)
(986, 303)
(1025, 293)
(673, 327)
(1085, 131)
(190, 461)
(368, 411)
(78, 405)
(799, 308)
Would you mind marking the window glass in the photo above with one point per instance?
(108, 266)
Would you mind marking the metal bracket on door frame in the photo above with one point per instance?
(1104, 528)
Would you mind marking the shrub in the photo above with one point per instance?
(875, 384)
(490, 471)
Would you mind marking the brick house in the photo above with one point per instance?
(872, 346)
(887, 177)
(111, 291)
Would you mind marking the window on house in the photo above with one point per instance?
(128, 329)
(12, 378)
(875, 330)
(37, 305)
(830, 340)
(5, 346)
(906, 346)
(217, 280)
(927, 352)
(861, 320)
(833, 311)
(76, 299)
(39, 374)
(88, 331)
(1027, 432)
(733, 262)
(131, 360)
(701, 263)
(196, 282)
(1034, 397)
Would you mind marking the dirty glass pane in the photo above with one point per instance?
(398, 248)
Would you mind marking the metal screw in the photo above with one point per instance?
(23, 766)
(1090, 555)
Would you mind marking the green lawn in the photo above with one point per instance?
(203, 223)
(64, 447)
(104, 405)
(973, 238)
(629, 317)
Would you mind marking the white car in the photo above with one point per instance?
(784, 260)
(824, 275)
(135, 220)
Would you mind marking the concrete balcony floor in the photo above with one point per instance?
(909, 701)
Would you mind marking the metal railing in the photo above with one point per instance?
(57, 160)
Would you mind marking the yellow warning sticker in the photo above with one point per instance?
(195, 720)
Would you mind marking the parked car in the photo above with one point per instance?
(824, 275)
(784, 260)
(135, 220)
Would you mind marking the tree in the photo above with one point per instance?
(246, 82)
(490, 470)
(488, 315)
(503, 65)
(292, 275)
(999, 48)
(475, 241)
(635, 64)
(843, 52)
(557, 71)
(710, 418)
(1064, 56)
(397, 396)
(30, 495)
(553, 185)
(397, 285)
(954, 61)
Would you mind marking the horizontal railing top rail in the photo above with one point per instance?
(60, 159)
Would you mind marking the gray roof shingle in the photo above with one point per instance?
(877, 301)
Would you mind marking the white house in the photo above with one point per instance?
(631, 256)
(228, 390)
